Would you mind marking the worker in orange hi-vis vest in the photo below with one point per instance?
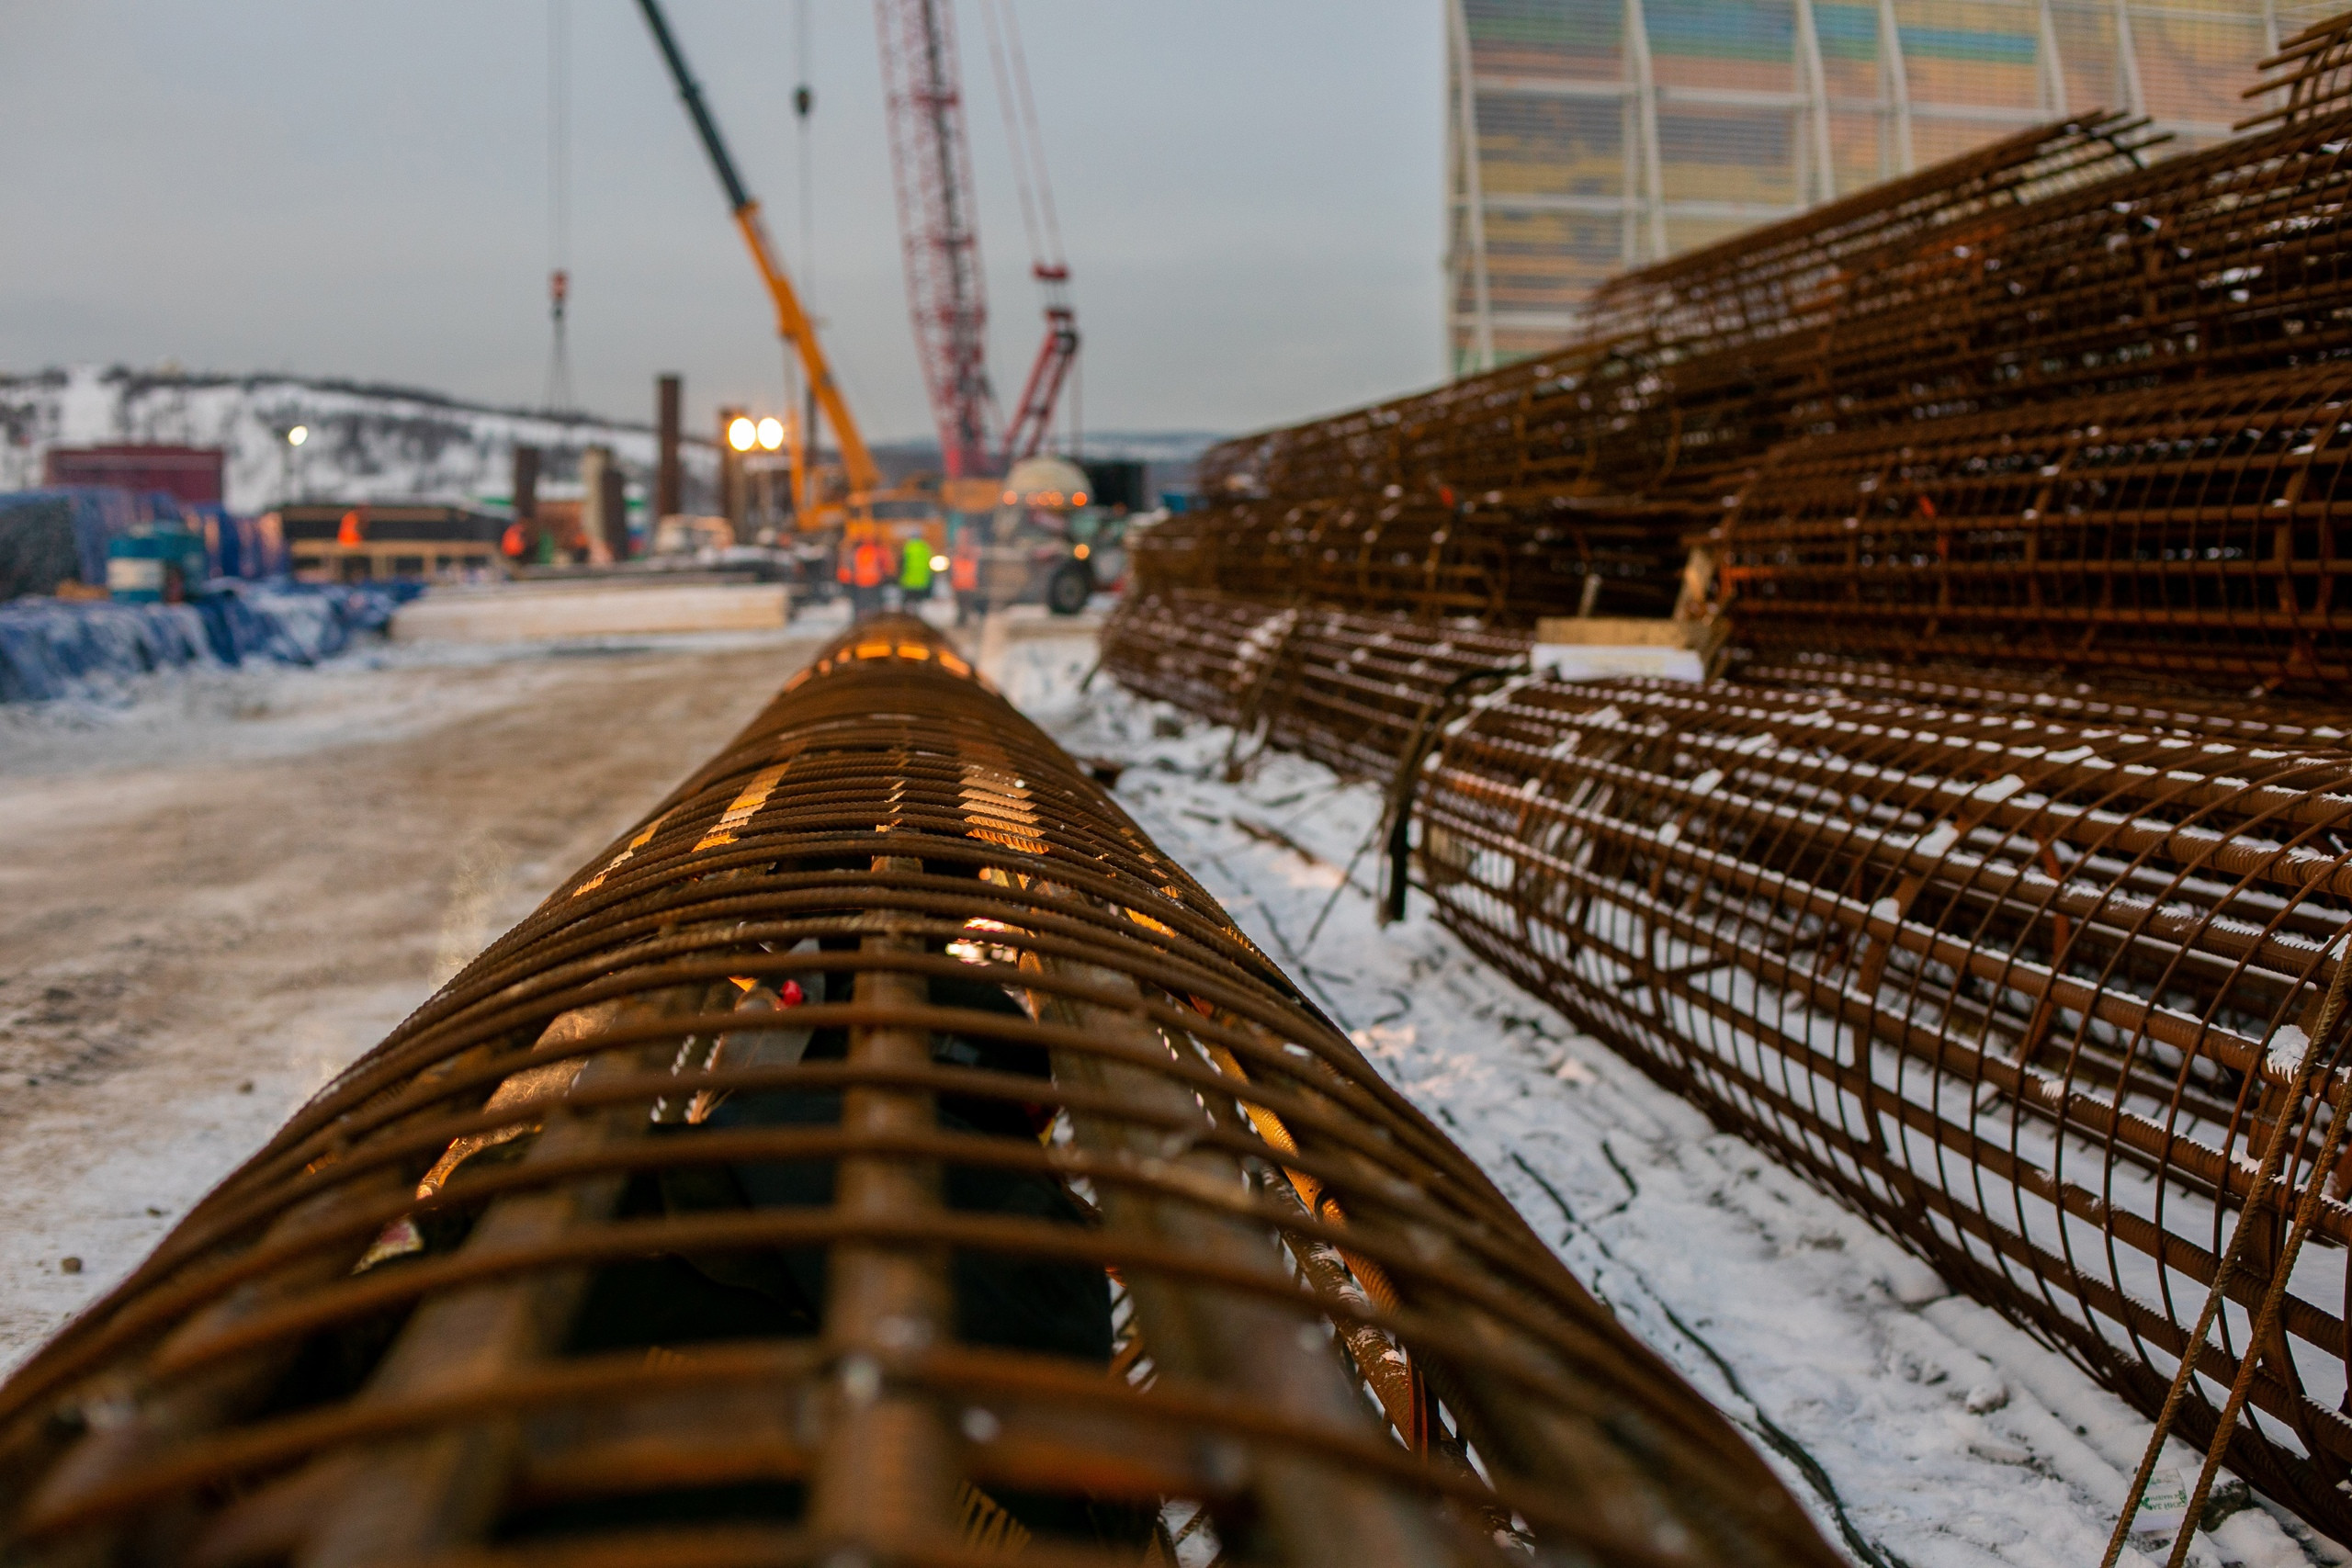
(964, 577)
(866, 576)
(352, 530)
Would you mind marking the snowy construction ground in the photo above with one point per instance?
(220, 886)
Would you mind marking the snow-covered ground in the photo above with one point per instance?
(1922, 1428)
(220, 885)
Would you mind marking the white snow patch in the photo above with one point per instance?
(2288, 1049)
(1999, 790)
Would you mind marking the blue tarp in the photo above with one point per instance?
(99, 513)
(240, 547)
(56, 647)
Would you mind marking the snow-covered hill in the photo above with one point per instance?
(367, 443)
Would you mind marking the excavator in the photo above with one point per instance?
(867, 507)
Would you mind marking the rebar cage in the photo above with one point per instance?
(2061, 306)
(2046, 980)
(882, 1154)
(1997, 889)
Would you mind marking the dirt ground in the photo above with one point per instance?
(292, 860)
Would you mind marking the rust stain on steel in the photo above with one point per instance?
(883, 1152)
(2033, 975)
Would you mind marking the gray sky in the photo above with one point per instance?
(1249, 193)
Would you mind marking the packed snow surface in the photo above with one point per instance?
(225, 884)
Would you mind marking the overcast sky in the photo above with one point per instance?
(1249, 193)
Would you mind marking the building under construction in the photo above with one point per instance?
(1585, 136)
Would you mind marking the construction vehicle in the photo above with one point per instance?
(854, 502)
(1048, 541)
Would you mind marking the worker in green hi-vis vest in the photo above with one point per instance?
(914, 570)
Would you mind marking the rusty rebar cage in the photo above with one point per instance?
(2191, 533)
(883, 1154)
(2058, 1004)
(2056, 282)
(2046, 979)
(1503, 559)
(1627, 404)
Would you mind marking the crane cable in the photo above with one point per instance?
(800, 396)
(556, 394)
(1020, 112)
(1048, 263)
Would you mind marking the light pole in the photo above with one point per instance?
(294, 439)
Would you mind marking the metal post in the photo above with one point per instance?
(2053, 67)
(2127, 60)
(730, 471)
(668, 477)
(1637, 56)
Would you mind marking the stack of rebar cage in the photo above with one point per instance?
(2000, 877)
(884, 1155)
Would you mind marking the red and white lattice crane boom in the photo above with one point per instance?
(947, 295)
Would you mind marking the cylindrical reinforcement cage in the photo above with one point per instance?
(2062, 1004)
(2049, 982)
(2190, 532)
(1506, 558)
(883, 1155)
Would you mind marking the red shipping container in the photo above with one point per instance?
(190, 474)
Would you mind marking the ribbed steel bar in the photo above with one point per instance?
(2034, 977)
(882, 1153)
(2121, 704)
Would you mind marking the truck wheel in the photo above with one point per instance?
(1068, 589)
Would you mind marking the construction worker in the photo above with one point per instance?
(914, 571)
(866, 575)
(963, 576)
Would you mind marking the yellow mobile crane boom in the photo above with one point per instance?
(791, 321)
